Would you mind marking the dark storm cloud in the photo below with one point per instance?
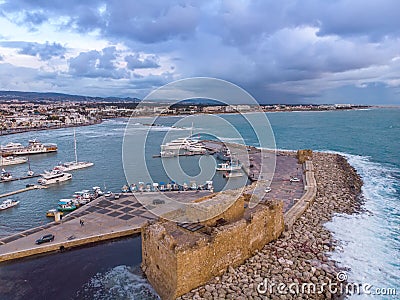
(287, 49)
(44, 51)
(135, 62)
(97, 64)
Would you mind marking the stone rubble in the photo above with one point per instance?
(300, 255)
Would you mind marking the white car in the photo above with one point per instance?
(268, 189)
(294, 179)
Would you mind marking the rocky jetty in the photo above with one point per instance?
(300, 255)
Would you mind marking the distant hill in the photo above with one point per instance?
(35, 96)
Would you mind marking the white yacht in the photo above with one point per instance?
(54, 176)
(11, 147)
(5, 176)
(228, 167)
(232, 174)
(11, 160)
(73, 165)
(34, 147)
(8, 204)
(179, 144)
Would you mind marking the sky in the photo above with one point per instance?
(289, 51)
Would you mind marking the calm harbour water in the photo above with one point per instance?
(370, 244)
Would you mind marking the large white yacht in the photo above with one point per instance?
(179, 144)
(229, 167)
(54, 176)
(34, 147)
(11, 160)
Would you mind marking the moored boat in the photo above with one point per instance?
(12, 160)
(232, 174)
(8, 204)
(73, 165)
(34, 147)
(224, 155)
(65, 205)
(5, 176)
(228, 167)
(53, 177)
(51, 212)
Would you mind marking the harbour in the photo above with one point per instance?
(107, 218)
(117, 255)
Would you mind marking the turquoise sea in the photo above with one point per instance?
(369, 242)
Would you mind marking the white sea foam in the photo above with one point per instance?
(369, 242)
(121, 282)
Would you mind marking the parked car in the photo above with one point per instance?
(294, 179)
(267, 189)
(45, 239)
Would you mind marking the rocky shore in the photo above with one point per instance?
(300, 255)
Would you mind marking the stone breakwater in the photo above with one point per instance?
(300, 255)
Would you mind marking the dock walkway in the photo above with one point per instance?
(104, 219)
(30, 188)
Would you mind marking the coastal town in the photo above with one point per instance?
(18, 115)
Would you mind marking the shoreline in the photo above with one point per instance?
(301, 254)
(185, 115)
(49, 128)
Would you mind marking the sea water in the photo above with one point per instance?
(368, 242)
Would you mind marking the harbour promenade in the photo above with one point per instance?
(103, 219)
(109, 218)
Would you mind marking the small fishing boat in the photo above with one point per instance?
(224, 155)
(155, 186)
(97, 191)
(125, 189)
(66, 205)
(209, 185)
(193, 185)
(8, 204)
(141, 186)
(148, 187)
(133, 187)
(5, 176)
(168, 153)
(51, 213)
(232, 174)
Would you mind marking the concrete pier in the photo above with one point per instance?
(35, 187)
(104, 219)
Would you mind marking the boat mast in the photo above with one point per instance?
(76, 154)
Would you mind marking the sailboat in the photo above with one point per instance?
(30, 172)
(74, 165)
